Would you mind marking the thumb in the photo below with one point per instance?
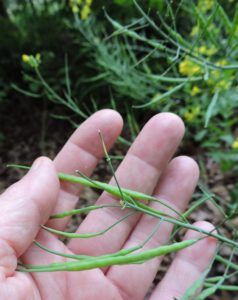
(23, 207)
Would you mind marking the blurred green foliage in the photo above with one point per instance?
(137, 57)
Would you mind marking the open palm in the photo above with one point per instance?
(149, 168)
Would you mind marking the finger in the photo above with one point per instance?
(139, 171)
(23, 207)
(188, 265)
(82, 151)
(175, 187)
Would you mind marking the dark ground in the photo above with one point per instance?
(28, 131)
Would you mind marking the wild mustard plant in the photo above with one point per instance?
(146, 66)
(152, 63)
(144, 69)
(32, 60)
(131, 200)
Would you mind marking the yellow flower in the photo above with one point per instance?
(38, 57)
(85, 12)
(195, 90)
(222, 62)
(235, 144)
(82, 7)
(192, 113)
(211, 51)
(31, 60)
(205, 5)
(204, 50)
(189, 68)
(224, 84)
(195, 30)
(156, 96)
(75, 9)
(25, 58)
(218, 80)
(214, 76)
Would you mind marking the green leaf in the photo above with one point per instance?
(210, 108)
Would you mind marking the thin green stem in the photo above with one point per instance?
(82, 210)
(110, 163)
(160, 97)
(233, 288)
(227, 262)
(188, 226)
(86, 235)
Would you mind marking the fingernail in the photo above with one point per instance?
(36, 164)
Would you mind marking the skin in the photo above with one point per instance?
(148, 168)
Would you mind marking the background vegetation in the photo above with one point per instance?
(67, 59)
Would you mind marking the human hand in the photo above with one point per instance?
(149, 168)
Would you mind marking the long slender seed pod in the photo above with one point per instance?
(137, 195)
(109, 261)
(232, 288)
(84, 180)
(227, 262)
